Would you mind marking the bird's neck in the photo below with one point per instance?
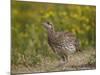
(51, 33)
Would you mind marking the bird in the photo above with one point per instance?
(63, 43)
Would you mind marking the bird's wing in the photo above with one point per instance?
(65, 36)
(73, 39)
(68, 37)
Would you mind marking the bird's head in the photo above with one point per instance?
(48, 25)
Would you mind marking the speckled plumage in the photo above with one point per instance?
(62, 43)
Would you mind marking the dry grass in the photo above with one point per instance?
(80, 61)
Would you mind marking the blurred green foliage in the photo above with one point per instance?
(29, 38)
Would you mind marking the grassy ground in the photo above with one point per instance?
(83, 60)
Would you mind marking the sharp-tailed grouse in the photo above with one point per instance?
(62, 43)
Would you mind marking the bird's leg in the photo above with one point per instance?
(66, 58)
(63, 60)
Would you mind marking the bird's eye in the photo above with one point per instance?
(48, 22)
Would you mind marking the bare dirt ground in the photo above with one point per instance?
(84, 60)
